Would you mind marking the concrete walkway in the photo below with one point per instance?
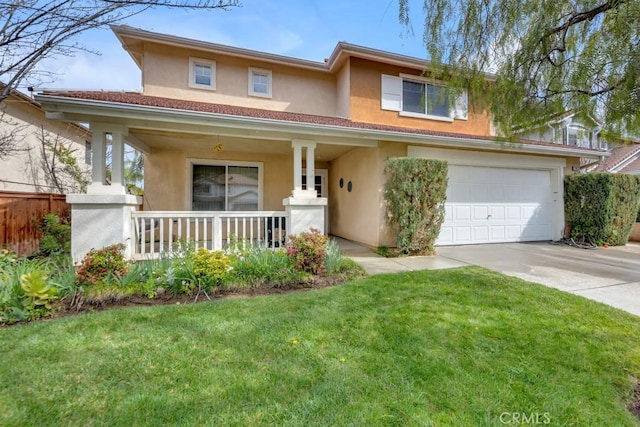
(610, 276)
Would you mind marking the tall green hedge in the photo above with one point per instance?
(602, 206)
(415, 192)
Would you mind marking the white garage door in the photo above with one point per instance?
(491, 205)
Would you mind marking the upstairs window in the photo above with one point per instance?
(202, 73)
(260, 82)
(416, 97)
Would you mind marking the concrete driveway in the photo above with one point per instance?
(609, 275)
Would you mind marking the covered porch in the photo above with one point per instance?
(208, 179)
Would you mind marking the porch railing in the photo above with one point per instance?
(157, 232)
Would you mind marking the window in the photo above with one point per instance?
(226, 186)
(202, 73)
(416, 97)
(259, 82)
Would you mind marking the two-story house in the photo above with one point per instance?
(226, 129)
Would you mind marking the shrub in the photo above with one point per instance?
(40, 295)
(638, 215)
(25, 290)
(55, 235)
(340, 266)
(308, 251)
(602, 206)
(101, 264)
(210, 267)
(415, 192)
(264, 266)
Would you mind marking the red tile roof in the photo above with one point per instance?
(618, 156)
(135, 98)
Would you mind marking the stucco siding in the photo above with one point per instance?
(366, 95)
(166, 176)
(166, 74)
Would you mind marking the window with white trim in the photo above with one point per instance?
(260, 82)
(87, 153)
(226, 186)
(202, 73)
(418, 97)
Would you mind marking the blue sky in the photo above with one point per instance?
(304, 29)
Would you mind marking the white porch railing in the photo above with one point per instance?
(157, 232)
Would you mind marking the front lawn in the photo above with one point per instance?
(460, 347)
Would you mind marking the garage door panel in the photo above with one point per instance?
(486, 204)
(461, 213)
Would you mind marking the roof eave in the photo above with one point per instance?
(105, 109)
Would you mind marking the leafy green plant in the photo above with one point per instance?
(210, 267)
(100, 264)
(415, 192)
(13, 301)
(264, 266)
(339, 265)
(40, 295)
(55, 235)
(387, 252)
(308, 251)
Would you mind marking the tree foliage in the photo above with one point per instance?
(545, 57)
(32, 30)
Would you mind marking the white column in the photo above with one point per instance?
(311, 169)
(98, 153)
(297, 166)
(298, 146)
(117, 160)
(99, 161)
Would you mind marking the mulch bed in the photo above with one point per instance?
(79, 305)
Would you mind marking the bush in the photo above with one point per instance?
(340, 266)
(638, 215)
(210, 267)
(308, 251)
(601, 206)
(415, 192)
(98, 266)
(264, 266)
(28, 287)
(55, 236)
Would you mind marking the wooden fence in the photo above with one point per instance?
(20, 214)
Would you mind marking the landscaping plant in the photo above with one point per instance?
(308, 251)
(99, 264)
(415, 192)
(601, 206)
(55, 236)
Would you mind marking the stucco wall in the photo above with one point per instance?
(343, 91)
(166, 73)
(166, 176)
(365, 103)
(23, 171)
(359, 215)
(353, 215)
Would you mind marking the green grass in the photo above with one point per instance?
(450, 347)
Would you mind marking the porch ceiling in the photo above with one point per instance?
(207, 141)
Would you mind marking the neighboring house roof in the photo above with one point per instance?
(623, 159)
(138, 99)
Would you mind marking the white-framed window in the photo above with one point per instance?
(260, 82)
(202, 73)
(577, 136)
(414, 96)
(224, 185)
